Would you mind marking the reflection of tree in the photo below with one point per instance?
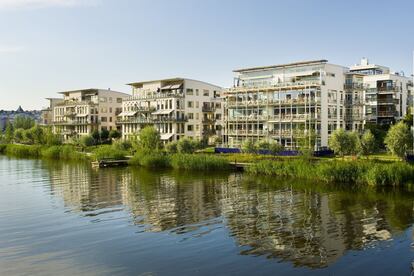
(303, 223)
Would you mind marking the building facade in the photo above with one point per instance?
(83, 111)
(386, 93)
(176, 107)
(286, 103)
(47, 114)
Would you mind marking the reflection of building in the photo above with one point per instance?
(307, 227)
(83, 111)
(177, 108)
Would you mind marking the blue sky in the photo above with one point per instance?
(53, 45)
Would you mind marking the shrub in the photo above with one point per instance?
(87, 141)
(3, 148)
(343, 142)
(187, 145)
(154, 159)
(198, 162)
(248, 146)
(108, 152)
(122, 145)
(149, 139)
(23, 150)
(19, 135)
(368, 143)
(171, 147)
(104, 135)
(114, 134)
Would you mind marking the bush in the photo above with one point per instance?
(108, 152)
(172, 147)
(149, 139)
(23, 150)
(2, 148)
(187, 145)
(122, 145)
(248, 146)
(114, 134)
(154, 159)
(199, 162)
(343, 142)
(87, 141)
(104, 135)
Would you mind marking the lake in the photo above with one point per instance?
(60, 218)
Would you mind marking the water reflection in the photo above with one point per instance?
(303, 223)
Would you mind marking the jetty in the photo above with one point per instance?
(109, 163)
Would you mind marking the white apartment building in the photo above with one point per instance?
(47, 113)
(176, 107)
(386, 94)
(285, 102)
(83, 111)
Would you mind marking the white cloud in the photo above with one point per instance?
(21, 4)
(10, 49)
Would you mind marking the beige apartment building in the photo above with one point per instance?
(47, 113)
(286, 103)
(83, 111)
(176, 107)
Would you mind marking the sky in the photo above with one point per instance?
(47, 46)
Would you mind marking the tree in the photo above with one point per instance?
(368, 143)
(87, 141)
(343, 143)
(172, 147)
(149, 139)
(9, 133)
(306, 142)
(186, 145)
(19, 135)
(37, 134)
(275, 147)
(249, 146)
(50, 138)
(114, 134)
(28, 136)
(408, 119)
(398, 139)
(104, 135)
(96, 136)
(379, 132)
(23, 122)
(263, 145)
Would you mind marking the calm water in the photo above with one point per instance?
(68, 219)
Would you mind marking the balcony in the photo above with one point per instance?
(273, 86)
(138, 120)
(354, 86)
(273, 102)
(208, 121)
(74, 122)
(154, 96)
(387, 114)
(207, 109)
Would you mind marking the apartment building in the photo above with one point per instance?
(83, 111)
(386, 94)
(354, 101)
(176, 107)
(46, 117)
(286, 103)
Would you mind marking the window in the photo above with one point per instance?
(189, 91)
(197, 127)
(190, 104)
(206, 93)
(218, 116)
(110, 110)
(104, 119)
(119, 100)
(197, 104)
(190, 116)
(197, 116)
(196, 92)
(110, 99)
(110, 119)
(190, 127)
(103, 99)
(104, 109)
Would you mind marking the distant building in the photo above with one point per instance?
(10, 115)
(82, 111)
(176, 107)
(47, 114)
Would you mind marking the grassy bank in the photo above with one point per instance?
(200, 162)
(351, 172)
(63, 152)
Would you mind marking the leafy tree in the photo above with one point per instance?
(51, 139)
(368, 143)
(87, 141)
(275, 147)
(379, 132)
(263, 145)
(150, 139)
(114, 134)
(37, 134)
(28, 136)
(343, 143)
(9, 133)
(249, 146)
(306, 142)
(19, 135)
(186, 145)
(408, 119)
(104, 135)
(96, 136)
(23, 122)
(398, 139)
(172, 147)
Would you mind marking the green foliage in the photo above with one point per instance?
(23, 122)
(3, 148)
(171, 147)
(19, 135)
(62, 152)
(114, 134)
(248, 146)
(154, 159)
(368, 143)
(122, 145)
(51, 139)
(87, 141)
(379, 132)
(398, 139)
(9, 133)
(109, 152)
(408, 119)
(23, 150)
(343, 142)
(104, 135)
(187, 145)
(150, 139)
(96, 135)
(200, 162)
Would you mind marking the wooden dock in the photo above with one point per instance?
(109, 163)
(239, 166)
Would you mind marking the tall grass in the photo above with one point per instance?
(198, 162)
(23, 150)
(350, 172)
(156, 159)
(109, 152)
(65, 152)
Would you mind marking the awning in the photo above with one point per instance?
(167, 87)
(162, 112)
(127, 113)
(81, 115)
(176, 86)
(166, 136)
